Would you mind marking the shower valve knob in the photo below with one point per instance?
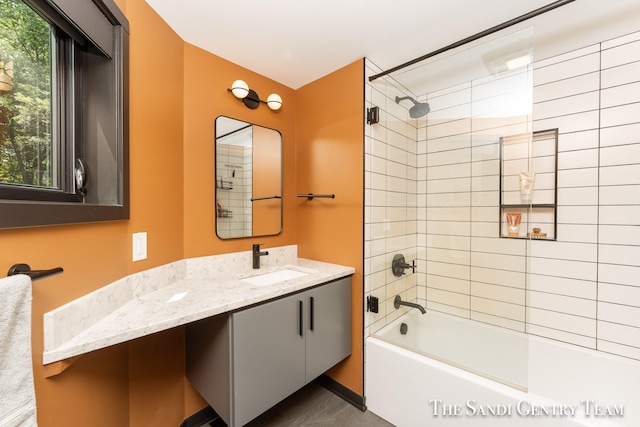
(398, 265)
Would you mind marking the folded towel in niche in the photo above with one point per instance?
(18, 400)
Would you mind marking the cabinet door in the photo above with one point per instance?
(268, 356)
(328, 326)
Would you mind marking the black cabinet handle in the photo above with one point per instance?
(300, 318)
(311, 313)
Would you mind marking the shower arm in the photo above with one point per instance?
(402, 98)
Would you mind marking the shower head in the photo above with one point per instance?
(419, 109)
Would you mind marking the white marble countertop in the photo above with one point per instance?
(173, 295)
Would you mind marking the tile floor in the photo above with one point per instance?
(313, 405)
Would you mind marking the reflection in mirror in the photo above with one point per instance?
(248, 170)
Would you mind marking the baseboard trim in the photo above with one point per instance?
(343, 392)
(202, 416)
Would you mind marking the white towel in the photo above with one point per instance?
(18, 399)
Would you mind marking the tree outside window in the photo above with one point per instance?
(26, 145)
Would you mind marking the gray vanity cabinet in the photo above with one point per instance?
(268, 356)
(328, 332)
(245, 362)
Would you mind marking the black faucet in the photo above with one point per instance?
(257, 254)
(397, 302)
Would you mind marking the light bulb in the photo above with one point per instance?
(519, 62)
(240, 89)
(274, 101)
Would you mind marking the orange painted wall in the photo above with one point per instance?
(176, 92)
(98, 390)
(330, 159)
(156, 363)
(267, 181)
(206, 79)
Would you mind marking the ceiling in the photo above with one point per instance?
(295, 42)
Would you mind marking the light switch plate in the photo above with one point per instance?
(139, 246)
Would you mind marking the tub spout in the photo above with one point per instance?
(397, 302)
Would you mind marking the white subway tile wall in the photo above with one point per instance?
(432, 193)
(233, 183)
(618, 306)
(391, 199)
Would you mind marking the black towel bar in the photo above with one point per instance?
(253, 199)
(34, 274)
(311, 196)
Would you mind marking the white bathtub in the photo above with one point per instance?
(418, 379)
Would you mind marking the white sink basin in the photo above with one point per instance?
(274, 277)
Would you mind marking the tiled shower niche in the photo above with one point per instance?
(528, 185)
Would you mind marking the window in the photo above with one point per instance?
(63, 112)
(25, 99)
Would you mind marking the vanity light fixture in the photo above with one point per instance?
(240, 89)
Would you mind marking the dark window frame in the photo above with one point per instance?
(94, 98)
